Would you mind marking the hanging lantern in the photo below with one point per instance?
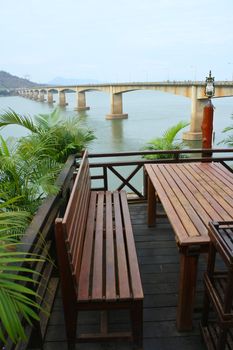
(209, 87)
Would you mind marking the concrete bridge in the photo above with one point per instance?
(194, 90)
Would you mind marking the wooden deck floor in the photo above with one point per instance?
(159, 265)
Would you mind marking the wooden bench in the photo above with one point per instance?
(97, 259)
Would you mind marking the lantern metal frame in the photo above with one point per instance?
(209, 86)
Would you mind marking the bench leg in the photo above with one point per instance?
(71, 325)
(187, 289)
(206, 309)
(151, 205)
(137, 323)
(104, 322)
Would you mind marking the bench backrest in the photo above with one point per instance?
(71, 228)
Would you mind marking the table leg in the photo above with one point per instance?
(187, 289)
(151, 202)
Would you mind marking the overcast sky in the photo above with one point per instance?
(120, 40)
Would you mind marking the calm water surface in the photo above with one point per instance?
(149, 115)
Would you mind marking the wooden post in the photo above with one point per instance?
(207, 127)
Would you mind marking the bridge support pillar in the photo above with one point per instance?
(81, 102)
(62, 99)
(50, 97)
(31, 95)
(195, 132)
(116, 107)
(35, 95)
(41, 96)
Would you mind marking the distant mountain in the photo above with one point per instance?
(8, 82)
(73, 81)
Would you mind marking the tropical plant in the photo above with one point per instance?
(27, 174)
(229, 140)
(28, 168)
(64, 136)
(12, 220)
(16, 299)
(166, 142)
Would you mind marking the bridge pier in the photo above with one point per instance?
(35, 95)
(116, 107)
(62, 99)
(81, 101)
(41, 96)
(195, 132)
(50, 97)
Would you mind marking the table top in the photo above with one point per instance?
(193, 194)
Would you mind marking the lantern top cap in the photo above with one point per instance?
(210, 78)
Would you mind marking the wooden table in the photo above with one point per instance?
(192, 194)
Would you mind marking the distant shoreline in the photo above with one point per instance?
(7, 93)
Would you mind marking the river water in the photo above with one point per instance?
(149, 115)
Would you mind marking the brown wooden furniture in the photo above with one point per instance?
(217, 326)
(97, 259)
(192, 194)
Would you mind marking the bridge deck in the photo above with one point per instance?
(159, 265)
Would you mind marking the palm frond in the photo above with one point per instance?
(10, 117)
(16, 300)
(229, 139)
(4, 147)
(228, 128)
(166, 142)
(171, 132)
(47, 121)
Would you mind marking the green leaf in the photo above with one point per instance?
(166, 142)
(10, 117)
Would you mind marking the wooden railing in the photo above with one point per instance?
(108, 166)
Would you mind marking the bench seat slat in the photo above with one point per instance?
(77, 231)
(110, 251)
(135, 278)
(85, 271)
(122, 268)
(97, 284)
